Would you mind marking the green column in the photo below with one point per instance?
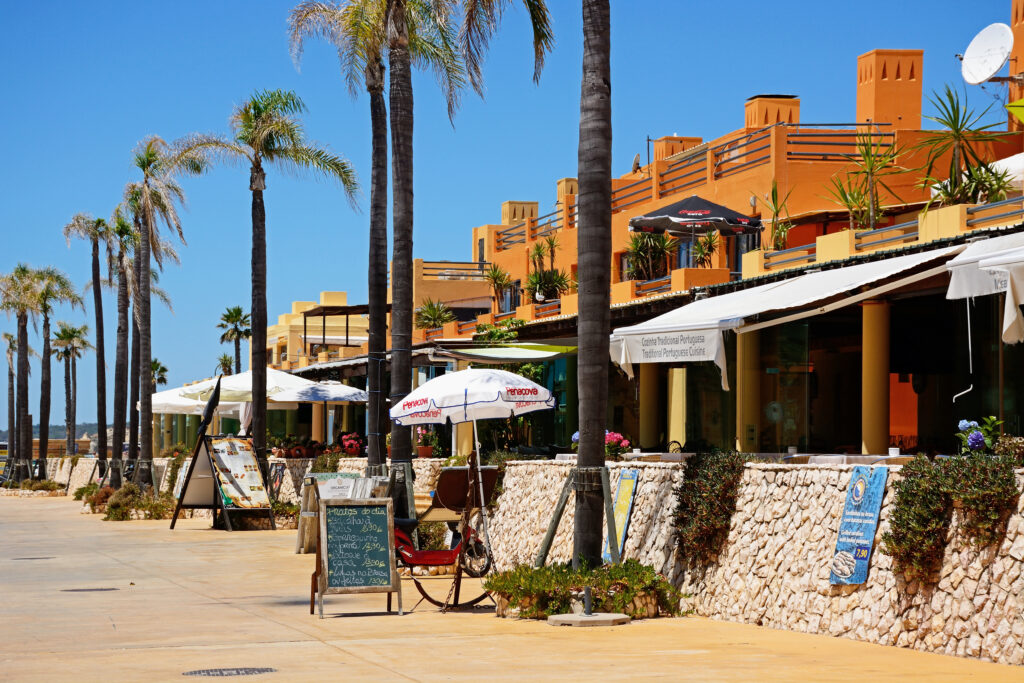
(179, 428)
(191, 427)
(291, 422)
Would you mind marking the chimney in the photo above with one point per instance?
(767, 110)
(889, 88)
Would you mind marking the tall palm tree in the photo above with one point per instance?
(124, 236)
(595, 253)
(54, 288)
(357, 29)
(236, 325)
(158, 194)
(267, 132)
(224, 364)
(19, 296)
(158, 371)
(70, 342)
(12, 436)
(480, 19)
(97, 233)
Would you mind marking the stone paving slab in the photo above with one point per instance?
(195, 598)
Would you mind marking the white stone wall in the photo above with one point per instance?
(427, 470)
(774, 568)
(528, 499)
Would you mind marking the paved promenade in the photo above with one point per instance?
(194, 598)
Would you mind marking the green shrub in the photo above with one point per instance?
(326, 462)
(46, 485)
(83, 492)
(541, 592)
(99, 498)
(919, 519)
(431, 535)
(707, 500)
(175, 450)
(130, 498)
(282, 509)
(987, 492)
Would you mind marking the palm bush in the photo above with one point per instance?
(433, 314)
(649, 256)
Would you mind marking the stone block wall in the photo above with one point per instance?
(774, 568)
(528, 499)
(427, 470)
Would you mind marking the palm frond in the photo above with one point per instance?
(312, 158)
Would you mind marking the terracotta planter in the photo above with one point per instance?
(425, 451)
(352, 450)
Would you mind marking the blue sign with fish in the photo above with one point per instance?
(858, 525)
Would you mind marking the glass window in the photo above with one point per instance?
(684, 254)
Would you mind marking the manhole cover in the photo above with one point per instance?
(87, 590)
(240, 671)
(32, 558)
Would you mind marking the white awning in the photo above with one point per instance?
(694, 332)
(968, 279)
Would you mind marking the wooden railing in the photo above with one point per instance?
(647, 287)
(454, 270)
(547, 309)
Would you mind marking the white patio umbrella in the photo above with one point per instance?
(471, 395)
(327, 391)
(235, 388)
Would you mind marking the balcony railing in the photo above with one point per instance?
(468, 326)
(833, 145)
(633, 193)
(433, 333)
(648, 287)
(454, 270)
(743, 153)
(546, 224)
(865, 239)
(684, 173)
(514, 234)
(981, 212)
(805, 253)
(547, 309)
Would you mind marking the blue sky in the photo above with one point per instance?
(84, 82)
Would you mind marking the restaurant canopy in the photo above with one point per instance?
(239, 387)
(993, 266)
(695, 216)
(694, 332)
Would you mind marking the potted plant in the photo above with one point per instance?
(426, 439)
(615, 444)
(351, 444)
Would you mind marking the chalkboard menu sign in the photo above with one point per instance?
(357, 550)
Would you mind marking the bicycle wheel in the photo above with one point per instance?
(476, 561)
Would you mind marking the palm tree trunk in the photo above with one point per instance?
(121, 361)
(238, 355)
(258, 429)
(12, 421)
(400, 96)
(69, 423)
(44, 395)
(134, 371)
(378, 267)
(594, 246)
(74, 395)
(145, 473)
(24, 423)
(101, 371)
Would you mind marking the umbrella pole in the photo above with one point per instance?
(480, 485)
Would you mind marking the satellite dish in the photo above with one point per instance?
(987, 53)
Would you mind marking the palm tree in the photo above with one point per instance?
(19, 296)
(433, 314)
(97, 232)
(157, 195)
(224, 364)
(124, 236)
(158, 371)
(267, 131)
(70, 342)
(235, 324)
(357, 30)
(54, 288)
(594, 246)
(12, 436)
(480, 20)
(499, 280)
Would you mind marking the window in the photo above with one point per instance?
(741, 244)
(480, 250)
(684, 255)
(623, 267)
(510, 298)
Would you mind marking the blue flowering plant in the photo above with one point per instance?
(978, 438)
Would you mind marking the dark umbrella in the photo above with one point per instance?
(693, 216)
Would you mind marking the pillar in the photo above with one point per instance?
(572, 407)
(319, 430)
(158, 433)
(874, 397)
(168, 430)
(648, 386)
(191, 427)
(346, 419)
(748, 391)
(464, 437)
(179, 428)
(291, 421)
(677, 405)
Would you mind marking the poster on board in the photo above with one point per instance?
(238, 472)
(858, 525)
(624, 495)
